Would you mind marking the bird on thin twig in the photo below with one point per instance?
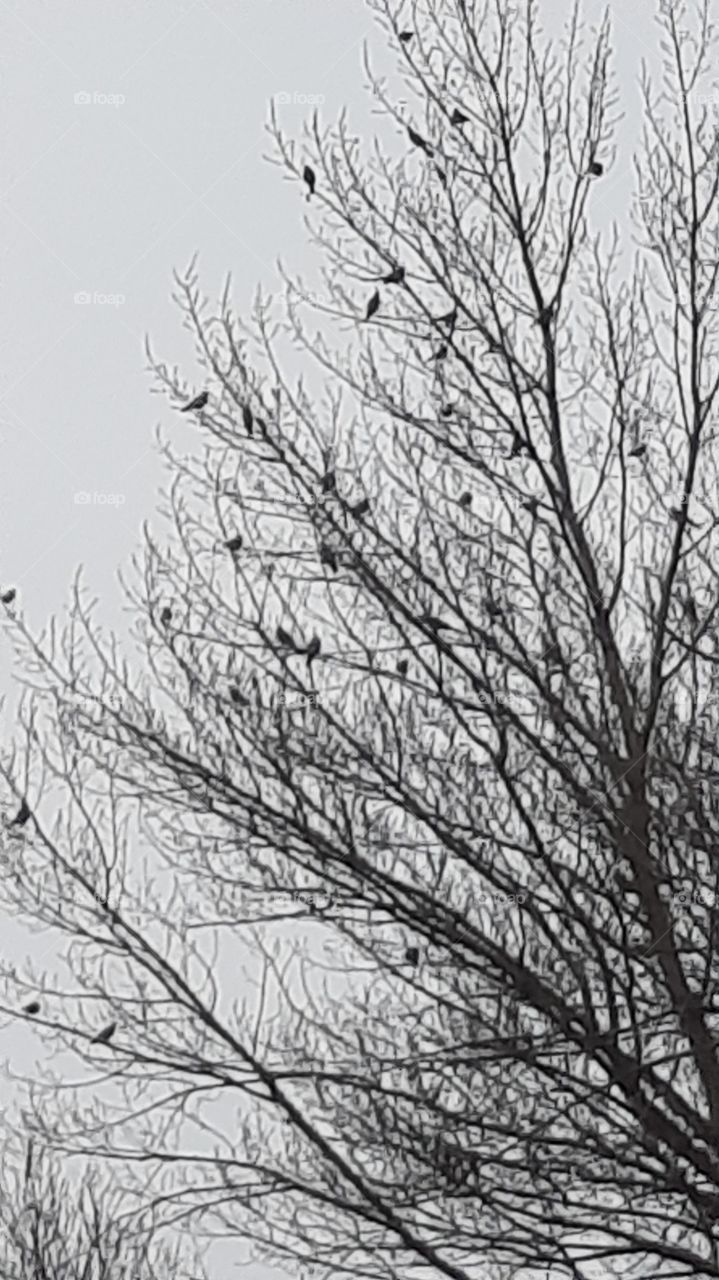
(494, 610)
(328, 557)
(441, 353)
(329, 481)
(402, 667)
(247, 419)
(395, 276)
(411, 955)
(32, 1007)
(406, 36)
(458, 118)
(638, 451)
(312, 650)
(285, 639)
(237, 697)
(360, 508)
(105, 1036)
(166, 616)
(418, 141)
(465, 500)
(310, 177)
(450, 318)
(22, 816)
(596, 169)
(8, 596)
(518, 446)
(372, 305)
(199, 402)
(531, 505)
(235, 543)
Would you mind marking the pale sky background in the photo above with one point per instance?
(103, 198)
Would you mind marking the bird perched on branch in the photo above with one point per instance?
(406, 36)
(458, 118)
(466, 500)
(285, 639)
(166, 616)
(531, 505)
(418, 141)
(8, 596)
(450, 318)
(22, 816)
(360, 508)
(312, 650)
(518, 446)
(237, 697)
(32, 1007)
(329, 480)
(395, 276)
(595, 169)
(235, 543)
(105, 1036)
(638, 451)
(402, 667)
(247, 419)
(411, 955)
(199, 402)
(372, 305)
(310, 177)
(328, 557)
(441, 353)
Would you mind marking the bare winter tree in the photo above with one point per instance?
(54, 1227)
(384, 882)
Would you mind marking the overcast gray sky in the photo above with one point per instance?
(131, 137)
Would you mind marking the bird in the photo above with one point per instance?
(441, 352)
(22, 815)
(199, 402)
(105, 1036)
(360, 508)
(493, 609)
(32, 1007)
(595, 169)
(458, 118)
(247, 419)
(450, 318)
(433, 622)
(465, 500)
(418, 141)
(8, 596)
(166, 616)
(531, 505)
(372, 305)
(312, 650)
(518, 446)
(395, 276)
(406, 36)
(310, 177)
(285, 639)
(638, 451)
(234, 544)
(402, 667)
(237, 697)
(328, 557)
(411, 955)
(328, 481)
(446, 411)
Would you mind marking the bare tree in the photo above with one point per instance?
(422, 742)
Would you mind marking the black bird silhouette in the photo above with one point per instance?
(406, 36)
(166, 616)
(411, 955)
(441, 353)
(465, 500)
(310, 177)
(360, 508)
(372, 305)
(328, 557)
(450, 318)
(285, 639)
(235, 543)
(446, 411)
(402, 667)
(638, 451)
(8, 596)
(458, 117)
(395, 276)
(32, 1007)
(518, 446)
(433, 622)
(328, 481)
(105, 1036)
(199, 402)
(22, 815)
(238, 697)
(418, 141)
(531, 505)
(595, 169)
(493, 609)
(312, 650)
(247, 419)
